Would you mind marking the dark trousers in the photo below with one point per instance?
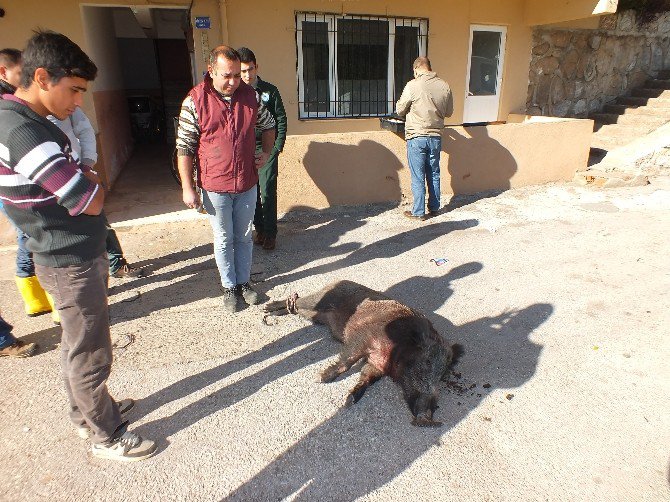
(265, 218)
(114, 251)
(80, 296)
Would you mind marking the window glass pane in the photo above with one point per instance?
(315, 66)
(484, 63)
(406, 50)
(362, 66)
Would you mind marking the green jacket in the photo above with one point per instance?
(271, 99)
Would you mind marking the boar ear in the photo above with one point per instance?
(457, 352)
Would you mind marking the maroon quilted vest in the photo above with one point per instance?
(227, 139)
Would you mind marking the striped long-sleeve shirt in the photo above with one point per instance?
(188, 133)
(43, 189)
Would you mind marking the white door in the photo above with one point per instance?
(484, 76)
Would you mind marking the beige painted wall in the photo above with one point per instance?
(356, 168)
(269, 30)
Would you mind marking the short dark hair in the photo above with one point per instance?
(247, 55)
(58, 55)
(10, 57)
(223, 50)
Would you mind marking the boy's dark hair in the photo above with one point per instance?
(223, 50)
(247, 55)
(10, 57)
(58, 55)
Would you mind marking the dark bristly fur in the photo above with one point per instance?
(393, 340)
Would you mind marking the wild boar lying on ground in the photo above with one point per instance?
(393, 339)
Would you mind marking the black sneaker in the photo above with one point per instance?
(229, 299)
(129, 447)
(250, 296)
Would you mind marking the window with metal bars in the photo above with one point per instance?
(355, 66)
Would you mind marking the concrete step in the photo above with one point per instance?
(637, 119)
(657, 83)
(644, 92)
(597, 178)
(623, 131)
(608, 143)
(664, 75)
(642, 101)
(637, 110)
(610, 136)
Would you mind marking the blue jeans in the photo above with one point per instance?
(6, 337)
(423, 156)
(25, 266)
(231, 216)
(24, 258)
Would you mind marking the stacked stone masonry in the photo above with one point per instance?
(576, 72)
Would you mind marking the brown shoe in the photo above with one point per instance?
(128, 272)
(19, 349)
(269, 243)
(408, 214)
(259, 238)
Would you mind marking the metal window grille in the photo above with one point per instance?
(355, 66)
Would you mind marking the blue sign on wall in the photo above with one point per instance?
(202, 22)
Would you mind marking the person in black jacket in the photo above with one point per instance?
(265, 218)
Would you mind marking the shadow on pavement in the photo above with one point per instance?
(48, 339)
(201, 280)
(389, 247)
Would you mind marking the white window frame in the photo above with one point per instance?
(332, 21)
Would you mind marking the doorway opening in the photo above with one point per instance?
(145, 62)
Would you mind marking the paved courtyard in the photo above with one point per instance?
(558, 293)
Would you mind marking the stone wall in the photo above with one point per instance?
(574, 72)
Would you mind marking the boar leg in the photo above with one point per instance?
(347, 360)
(369, 375)
(282, 307)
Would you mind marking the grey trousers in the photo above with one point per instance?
(80, 296)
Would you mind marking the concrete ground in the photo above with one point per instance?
(558, 293)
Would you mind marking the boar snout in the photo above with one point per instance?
(425, 421)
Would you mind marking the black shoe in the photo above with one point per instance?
(229, 299)
(250, 296)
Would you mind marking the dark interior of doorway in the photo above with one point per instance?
(157, 74)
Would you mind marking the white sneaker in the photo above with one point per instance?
(129, 447)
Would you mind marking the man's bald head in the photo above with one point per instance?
(422, 63)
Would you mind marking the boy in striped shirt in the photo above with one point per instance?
(49, 195)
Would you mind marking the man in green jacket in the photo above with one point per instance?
(265, 218)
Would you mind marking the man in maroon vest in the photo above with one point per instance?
(217, 123)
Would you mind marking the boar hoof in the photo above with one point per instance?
(329, 374)
(426, 422)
